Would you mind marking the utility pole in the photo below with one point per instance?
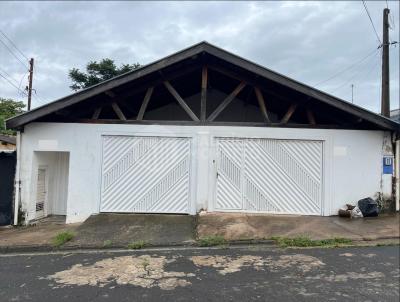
(30, 83)
(385, 98)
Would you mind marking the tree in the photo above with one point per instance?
(97, 72)
(8, 109)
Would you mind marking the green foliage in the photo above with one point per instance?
(107, 243)
(62, 238)
(97, 72)
(8, 109)
(137, 245)
(304, 241)
(212, 241)
(393, 243)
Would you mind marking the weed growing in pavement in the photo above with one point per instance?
(304, 241)
(137, 245)
(145, 263)
(62, 238)
(212, 241)
(107, 243)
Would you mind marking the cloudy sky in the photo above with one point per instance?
(309, 41)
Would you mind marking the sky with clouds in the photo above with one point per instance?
(308, 41)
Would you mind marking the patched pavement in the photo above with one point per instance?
(246, 274)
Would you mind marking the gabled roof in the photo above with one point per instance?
(203, 47)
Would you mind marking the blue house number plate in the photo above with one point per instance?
(387, 165)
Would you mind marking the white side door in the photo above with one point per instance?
(41, 192)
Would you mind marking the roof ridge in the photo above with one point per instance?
(204, 46)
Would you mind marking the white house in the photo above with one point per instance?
(200, 129)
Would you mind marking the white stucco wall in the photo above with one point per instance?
(352, 160)
(56, 166)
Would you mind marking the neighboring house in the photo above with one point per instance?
(200, 129)
(7, 176)
(7, 143)
(395, 115)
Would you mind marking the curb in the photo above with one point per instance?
(66, 248)
(194, 244)
(71, 247)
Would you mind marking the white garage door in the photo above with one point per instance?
(145, 174)
(267, 175)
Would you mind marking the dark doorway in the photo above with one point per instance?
(7, 175)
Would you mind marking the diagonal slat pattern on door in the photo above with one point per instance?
(149, 175)
(292, 167)
(230, 174)
(279, 176)
(127, 153)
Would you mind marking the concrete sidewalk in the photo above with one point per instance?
(38, 236)
(259, 226)
(102, 231)
(120, 230)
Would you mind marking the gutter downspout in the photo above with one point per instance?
(397, 175)
(17, 184)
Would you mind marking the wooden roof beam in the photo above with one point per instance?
(181, 101)
(118, 111)
(248, 80)
(288, 114)
(310, 117)
(96, 113)
(261, 103)
(203, 102)
(145, 102)
(227, 101)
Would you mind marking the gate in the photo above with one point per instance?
(269, 175)
(145, 174)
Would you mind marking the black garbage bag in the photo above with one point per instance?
(368, 207)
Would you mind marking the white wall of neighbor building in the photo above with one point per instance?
(352, 160)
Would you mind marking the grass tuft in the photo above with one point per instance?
(387, 244)
(107, 243)
(137, 245)
(304, 241)
(62, 238)
(212, 241)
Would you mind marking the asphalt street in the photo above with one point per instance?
(233, 274)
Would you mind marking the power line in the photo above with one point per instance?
(372, 23)
(15, 56)
(20, 82)
(25, 57)
(42, 101)
(7, 74)
(12, 84)
(374, 65)
(13, 44)
(347, 68)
